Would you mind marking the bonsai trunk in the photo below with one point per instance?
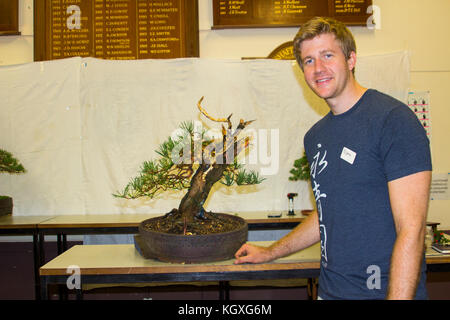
(198, 192)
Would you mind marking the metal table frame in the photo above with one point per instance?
(222, 278)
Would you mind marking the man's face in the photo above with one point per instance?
(326, 69)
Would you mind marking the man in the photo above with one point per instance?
(370, 173)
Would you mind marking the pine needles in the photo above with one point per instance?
(9, 164)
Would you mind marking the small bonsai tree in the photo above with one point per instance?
(11, 165)
(195, 162)
(301, 170)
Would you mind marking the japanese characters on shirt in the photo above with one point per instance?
(318, 165)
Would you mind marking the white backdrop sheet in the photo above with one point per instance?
(82, 127)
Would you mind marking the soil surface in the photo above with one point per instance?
(175, 224)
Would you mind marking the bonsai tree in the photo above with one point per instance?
(301, 170)
(11, 165)
(194, 161)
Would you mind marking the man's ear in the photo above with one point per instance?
(351, 61)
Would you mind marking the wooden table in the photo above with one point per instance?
(11, 225)
(437, 262)
(123, 264)
(20, 225)
(63, 225)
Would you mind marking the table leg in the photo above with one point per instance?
(41, 241)
(61, 247)
(44, 288)
(312, 288)
(36, 264)
(61, 242)
(58, 244)
(64, 242)
(79, 293)
(224, 290)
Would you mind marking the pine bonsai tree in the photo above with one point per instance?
(195, 162)
(10, 164)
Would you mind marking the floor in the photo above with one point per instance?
(16, 279)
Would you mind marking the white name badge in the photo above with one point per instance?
(348, 155)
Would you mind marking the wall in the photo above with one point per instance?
(404, 26)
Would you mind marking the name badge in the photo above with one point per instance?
(348, 155)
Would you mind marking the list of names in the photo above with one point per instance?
(273, 13)
(346, 7)
(116, 29)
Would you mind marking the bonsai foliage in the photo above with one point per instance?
(192, 160)
(10, 164)
(301, 170)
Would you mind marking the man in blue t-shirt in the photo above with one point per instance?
(370, 174)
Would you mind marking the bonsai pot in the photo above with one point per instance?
(179, 248)
(6, 205)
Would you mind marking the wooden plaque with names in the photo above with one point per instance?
(286, 13)
(116, 29)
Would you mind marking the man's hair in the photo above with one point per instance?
(322, 25)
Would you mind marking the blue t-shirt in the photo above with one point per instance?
(352, 157)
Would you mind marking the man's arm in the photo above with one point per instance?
(409, 201)
(301, 237)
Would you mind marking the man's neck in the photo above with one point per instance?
(347, 99)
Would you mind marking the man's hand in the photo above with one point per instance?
(249, 253)
(301, 237)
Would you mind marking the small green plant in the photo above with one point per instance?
(301, 170)
(9, 164)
